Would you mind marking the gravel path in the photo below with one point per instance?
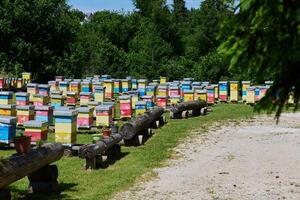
(251, 160)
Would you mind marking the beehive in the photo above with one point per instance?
(134, 84)
(188, 95)
(104, 115)
(65, 122)
(22, 98)
(37, 130)
(257, 93)
(57, 101)
(7, 129)
(175, 99)
(3, 83)
(134, 97)
(26, 76)
(8, 110)
(53, 85)
(96, 84)
(234, 91)
(163, 79)
(105, 77)
(44, 89)
(162, 101)
(200, 95)
(85, 97)
(125, 106)
(6, 98)
(55, 92)
(85, 117)
(174, 91)
(263, 91)
(216, 86)
(117, 86)
(25, 113)
(140, 107)
(44, 114)
(245, 85)
(64, 87)
(125, 85)
(196, 85)
(40, 99)
(99, 94)
(59, 78)
(93, 104)
(223, 91)
(210, 94)
(250, 95)
(86, 86)
(151, 90)
(149, 99)
(109, 89)
(142, 83)
(186, 85)
(113, 105)
(74, 87)
(72, 98)
(20, 83)
(162, 90)
(32, 89)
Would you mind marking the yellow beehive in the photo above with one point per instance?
(99, 94)
(26, 76)
(175, 99)
(162, 90)
(6, 98)
(234, 91)
(74, 87)
(32, 89)
(93, 104)
(140, 107)
(216, 90)
(163, 79)
(201, 95)
(245, 85)
(104, 115)
(251, 95)
(8, 110)
(188, 95)
(109, 89)
(20, 83)
(85, 97)
(53, 85)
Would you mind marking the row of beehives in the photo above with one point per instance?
(17, 83)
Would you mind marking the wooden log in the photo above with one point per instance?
(19, 166)
(142, 122)
(179, 110)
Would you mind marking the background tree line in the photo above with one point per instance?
(49, 38)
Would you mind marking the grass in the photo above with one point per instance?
(76, 183)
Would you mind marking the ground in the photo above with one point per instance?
(256, 159)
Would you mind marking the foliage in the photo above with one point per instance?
(263, 38)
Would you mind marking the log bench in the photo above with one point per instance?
(182, 110)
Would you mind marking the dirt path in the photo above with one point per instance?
(253, 160)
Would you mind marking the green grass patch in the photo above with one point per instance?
(76, 183)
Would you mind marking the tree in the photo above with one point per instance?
(180, 11)
(264, 38)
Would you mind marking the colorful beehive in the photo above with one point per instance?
(200, 95)
(20, 83)
(234, 91)
(53, 85)
(142, 83)
(250, 95)
(57, 101)
(140, 107)
(44, 89)
(216, 86)
(162, 90)
(151, 90)
(188, 95)
(37, 130)
(59, 78)
(3, 83)
(72, 98)
(174, 91)
(85, 97)
(175, 99)
(196, 85)
(32, 88)
(113, 105)
(162, 101)
(104, 115)
(257, 93)
(65, 122)
(25, 113)
(163, 79)
(109, 89)
(134, 97)
(64, 87)
(117, 86)
(44, 114)
(223, 91)
(6, 98)
(7, 129)
(85, 117)
(96, 84)
(263, 91)
(74, 87)
(99, 94)
(40, 99)
(86, 86)
(134, 84)
(186, 85)
(245, 85)
(93, 104)
(125, 106)
(22, 98)
(8, 110)
(125, 85)
(26, 76)
(210, 94)
(149, 99)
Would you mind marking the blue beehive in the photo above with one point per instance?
(7, 129)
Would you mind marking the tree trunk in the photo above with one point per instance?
(19, 166)
(177, 109)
